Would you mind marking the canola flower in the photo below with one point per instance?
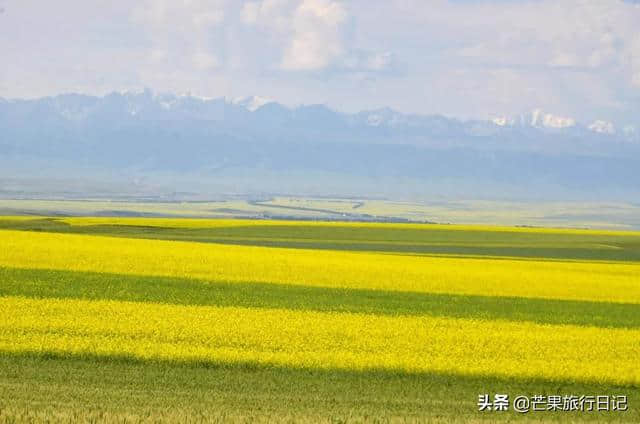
(598, 282)
(320, 339)
(325, 340)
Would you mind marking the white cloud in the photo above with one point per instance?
(576, 56)
(465, 58)
(314, 35)
(317, 38)
(379, 61)
(180, 32)
(251, 12)
(274, 15)
(311, 32)
(204, 61)
(634, 60)
(571, 33)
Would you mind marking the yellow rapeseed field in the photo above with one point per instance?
(321, 340)
(98, 321)
(598, 282)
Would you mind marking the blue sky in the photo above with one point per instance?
(462, 58)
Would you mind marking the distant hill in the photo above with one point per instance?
(141, 133)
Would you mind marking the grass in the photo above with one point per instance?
(157, 320)
(119, 389)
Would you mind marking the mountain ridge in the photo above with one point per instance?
(205, 108)
(144, 133)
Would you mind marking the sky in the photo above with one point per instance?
(462, 58)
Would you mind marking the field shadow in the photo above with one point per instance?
(39, 283)
(423, 241)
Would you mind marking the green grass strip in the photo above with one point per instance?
(410, 240)
(65, 388)
(37, 283)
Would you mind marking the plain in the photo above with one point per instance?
(215, 320)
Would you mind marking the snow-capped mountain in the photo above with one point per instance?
(152, 132)
(536, 119)
(252, 103)
(548, 121)
(602, 127)
(145, 105)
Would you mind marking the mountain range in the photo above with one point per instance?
(537, 155)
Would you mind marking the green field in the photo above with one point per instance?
(183, 320)
(401, 239)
